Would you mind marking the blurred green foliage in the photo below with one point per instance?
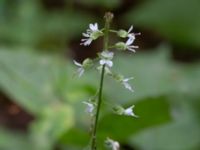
(48, 93)
(176, 20)
(166, 93)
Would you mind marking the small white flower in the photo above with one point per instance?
(106, 58)
(129, 30)
(91, 34)
(90, 107)
(129, 112)
(109, 63)
(80, 70)
(129, 46)
(132, 35)
(114, 145)
(124, 34)
(126, 84)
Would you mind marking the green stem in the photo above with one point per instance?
(110, 47)
(93, 146)
(114, 31)
(108, 18)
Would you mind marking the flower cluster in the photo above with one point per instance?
(91, 34)
(105, 58)
(105, 62)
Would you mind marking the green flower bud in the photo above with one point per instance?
(120, 46)
(122, 33)
(96, 34)
(87, 63)
(118, 110)
(108, 16)
(118, 77)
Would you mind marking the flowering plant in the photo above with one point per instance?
(104, 66)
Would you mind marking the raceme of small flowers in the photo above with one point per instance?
(106, 56)
(104, 60)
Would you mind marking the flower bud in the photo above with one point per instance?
(109, 16)
(122, 33)
(118, 110)
(96, 34)
(118, 77)
(87, 63)
(120, 46)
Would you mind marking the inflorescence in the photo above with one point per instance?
(104, 60)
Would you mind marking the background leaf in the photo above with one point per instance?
(173, 19)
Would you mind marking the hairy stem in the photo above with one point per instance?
(108, 18)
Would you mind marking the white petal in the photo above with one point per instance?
(130, 29)
(85, 35)
(102, 61)
(77, 64)
(130, 49)
(129, 41)
(133, 46)
(132, 36)
(109, 63)
(96, 26)
(84, 40)
(127, 86)
(87, 42)
(129, 112)
(127, 79)
(80, 72)
(114, 145)
(90, 107)
(91, 26)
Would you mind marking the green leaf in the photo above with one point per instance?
(75, 136)
(43, 85)
(51, 125)
(14, 141)
(181, 134)
(27, 23)
(28, 78)
(38, 84)
(152, 74)
(174, 19)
